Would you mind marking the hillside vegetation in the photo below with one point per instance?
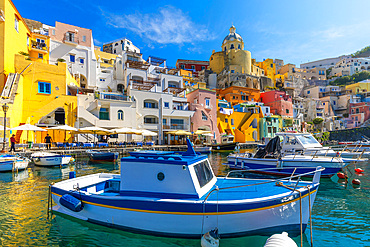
(346, 80)
(362, 52)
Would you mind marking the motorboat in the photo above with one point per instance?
(203, 149)
(98, 156)
(50, 159)
(227, 144)
(10, 163)
(307, 144)
(271, 157)
(178, 195)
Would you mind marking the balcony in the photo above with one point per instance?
(39, 46)
(176, 127)
(112, 96)
(69, 38)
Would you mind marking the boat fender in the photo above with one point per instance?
(356, 181)
(37, 159)
(280, 240)
(210, 239)
(341, 175)
(71, 202)
(72, 159)
(359, 170)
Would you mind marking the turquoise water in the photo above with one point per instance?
(340, 213)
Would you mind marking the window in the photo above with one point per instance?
(182, 66)
(28, 40)
(204, 117)
(203, 67)
(192, 67)
(166, 105)
(16, 24)
(232, 71)
(208, 102)
(334, 103)
(44, 87)
(104, 114)
(120, 115)
(150, 120)
(243, 97)
(41, 56)
(232, 46)
(287, 110)
(150, 104)
(72, 58)
(239, 47)
(114, 51)
(82, 61)
(84, 38)
(232, 121)
(53, 32)
(102, 80)
(116, 44)
(164, 121)
(203, 172)
(308, 92)
(226, 120)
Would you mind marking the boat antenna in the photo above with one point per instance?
(190, 151)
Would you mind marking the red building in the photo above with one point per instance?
(279, 102)
(193, 65)
(358, 113)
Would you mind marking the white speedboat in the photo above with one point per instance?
(10, 163)
(307, 144)
(203, 149)
(50, 159)
(179, 196)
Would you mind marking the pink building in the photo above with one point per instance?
(358, 113)
(279, 102)
(70, 34)
(203, 102)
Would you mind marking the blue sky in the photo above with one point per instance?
(295, 31)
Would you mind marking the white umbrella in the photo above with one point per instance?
(63, 127)
(148, 133)
(123, 131)
(95, 130)
(28, 127)
(2, 128)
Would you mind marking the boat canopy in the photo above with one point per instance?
(272, 149)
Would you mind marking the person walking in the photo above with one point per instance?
(12, 141)
(48, 141)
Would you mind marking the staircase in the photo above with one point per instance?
(10, 88)
(18, 134)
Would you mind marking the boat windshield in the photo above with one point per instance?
(204, 173)
(307, 140)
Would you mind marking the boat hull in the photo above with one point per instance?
(233, 219)
(203, 150)
(287, 166)
(13, 164)
(224, 146)
(56, 160)
(103, 157)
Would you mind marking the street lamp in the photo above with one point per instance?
(5, 109)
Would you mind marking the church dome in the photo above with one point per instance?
(232, 36)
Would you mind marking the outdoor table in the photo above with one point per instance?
(21, 145)
(88, 145)
(149, 143)
(140, 144)
(102, 144)
(59, 144)
(39, 145)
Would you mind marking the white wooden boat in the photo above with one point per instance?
(50, 159)
(10, 163)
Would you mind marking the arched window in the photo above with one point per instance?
(239, 47)
(150, 119)
(120, 88)
(120, 115)
(232, 46)
(150, 104)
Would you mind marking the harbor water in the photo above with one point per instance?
(340, 214)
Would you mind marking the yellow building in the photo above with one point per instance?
(269, 68)
(359, 87)
(105, 59)
(191, 83)
(14, 38)
(242, 122)
(35, 91)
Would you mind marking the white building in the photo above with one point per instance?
(350, 66)
(119, 46)
(323, 63)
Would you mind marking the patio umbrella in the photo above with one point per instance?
(202, 132)
(123, 131)
(28, 127)
(179, 133)
(63, 127)
(148, 133)
(95, 130)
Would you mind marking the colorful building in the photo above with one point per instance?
(236, 95)
(269, 126)
(195, 66)
(279, 102)
(204, 104)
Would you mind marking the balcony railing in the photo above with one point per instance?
(176, 127)
(72, 39)
(39, 45)
(111, 96)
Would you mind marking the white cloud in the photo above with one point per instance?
(169, 26)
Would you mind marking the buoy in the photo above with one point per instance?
(210, 239)
(356, 181)
(72, 159)
(359, 170)
(280, 240)
(341, 175)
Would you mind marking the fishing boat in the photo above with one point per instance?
(203, 149)
(227, 144)
(307, 144)
(179, 196)
(10, 163)
(50, 159)
(97, 156)
(270, 157)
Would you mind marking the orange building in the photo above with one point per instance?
(236, 94)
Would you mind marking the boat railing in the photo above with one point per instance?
(316, 179)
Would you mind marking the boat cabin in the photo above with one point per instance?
(166, 175)
(227, 139)
(298, 141)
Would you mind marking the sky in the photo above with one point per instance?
(295, 31)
